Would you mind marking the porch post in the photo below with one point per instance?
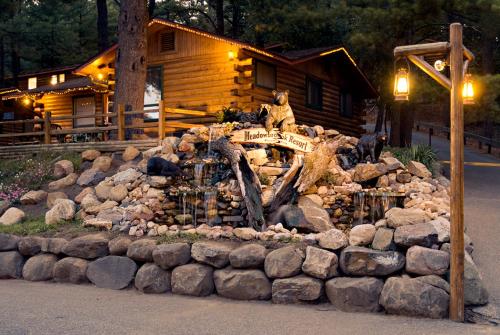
(47, 136)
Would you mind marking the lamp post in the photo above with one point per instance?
(455, 51)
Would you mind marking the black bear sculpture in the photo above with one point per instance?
(371, 145)
(158, 166)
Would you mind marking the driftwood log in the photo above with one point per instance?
(247, 179)
(286, 192)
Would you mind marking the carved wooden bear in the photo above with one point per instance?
(158, 166)
(280, 113)
(371, 145)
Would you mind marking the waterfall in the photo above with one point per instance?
(198, 173)
(373, 207)
(359, 203)
(210, 206)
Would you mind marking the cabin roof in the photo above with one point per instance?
(49, 70)
(82, 84)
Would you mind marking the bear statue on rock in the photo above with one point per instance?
(371, 145)
(158, 166)
(279, 114)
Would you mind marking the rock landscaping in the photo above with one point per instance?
(250, 221)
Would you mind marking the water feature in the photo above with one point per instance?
(378, 203)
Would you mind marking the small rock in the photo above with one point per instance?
(392, 163)
(71, 270)
(157, 181)
(152, 279)
(33, 197)
(98, 223)
(90, 155)
(332, 239)
(127, 176)
(63, 168)
(103, 189)
(88, 247)
(83, 193)
(118, 193)
(412, 297)
(130, 153)
(67, 181)
(245, 234)
(119, 245)
(320, 263)
(383, 239)
(114, 272)
(141, 250)
(403, 177)
(39, 267)
(109, 204)
(242, 284)
(193, 279)
(53, 197)
(418, 169)
(365, 172)
(151, 152)
(284, 262)
(11, 265)
(63, 210)
(355, 294)
(362, 234)
(12, 216)
(361, 261)
(248, 256)
(425, 261)
(168, 256)
(102, 163)
(90, 177)
(296, 289)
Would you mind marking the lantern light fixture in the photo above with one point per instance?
(468, 90)
(440, 65)
(230, 55)
(402, 85)
(26, 101)
(100, 76)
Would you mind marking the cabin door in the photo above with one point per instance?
(84, 106)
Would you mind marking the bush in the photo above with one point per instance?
(420, 153)
(37, 226)
(228, 114)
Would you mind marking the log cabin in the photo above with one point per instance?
(196, 74)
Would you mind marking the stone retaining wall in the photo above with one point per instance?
(355, 279)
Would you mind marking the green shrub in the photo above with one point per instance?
(227, 114)
(420, 153)
(37, 226)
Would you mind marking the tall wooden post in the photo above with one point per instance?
(46, 125)
(121, 122)
(161, 121)
(457, 175)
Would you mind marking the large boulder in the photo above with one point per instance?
(88, 247)
(418, 169)
(423, 234)
(397, 217)
(12, 216)
(383, 239)
(64, 182)
(425, 261)
(320, 263)
(63, 168)
(63, 210)
(127, 176)
(365, 172)
(248, 256)
(296, 289)
(361, 261)
(362, 234)
(114, 272)
(316, 217)
(412, 297)
(391, 163)
(11, 264)
(39, 267)
(242, 284)
(193, 279)
(168, 256)
(30, 245)
(355, 294)
(130, 153)
(33, 197)
(102, 163)
(212, 253)
(142, 250)
(90, 177)
(71, 270)
(54, 245)
(475, 292)
(332, 239)
(284, 262)
(8, 242)
(119, 245)
(90, 155)
(52, 197)
(152, 279)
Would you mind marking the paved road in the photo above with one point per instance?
(482, 210)
(49, 308)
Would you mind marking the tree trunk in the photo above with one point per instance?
(235, 29)
(219, 16)
(15, 60)
(151, 8)
(102, 25)
(131, 63)
(406, 126)
(394, 138)
(380, 116)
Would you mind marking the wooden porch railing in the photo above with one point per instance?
(169, 121)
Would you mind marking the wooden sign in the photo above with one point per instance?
(274, 137)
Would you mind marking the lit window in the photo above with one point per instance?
(31, 83)
(62, 78)
(153, 92)
(53, 79)
(314, 93)
(265, 75)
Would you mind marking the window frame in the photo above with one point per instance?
(160, 67)
(309, 80)
(342, 96)
(256, 77)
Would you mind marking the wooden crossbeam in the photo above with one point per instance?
(429, 70)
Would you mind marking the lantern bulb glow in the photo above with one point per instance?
(439, 65)
(401, 85)
(230, 55)
(100, 76)
(26, 101)
(468, 90)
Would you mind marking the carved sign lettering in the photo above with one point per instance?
(274, 137)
